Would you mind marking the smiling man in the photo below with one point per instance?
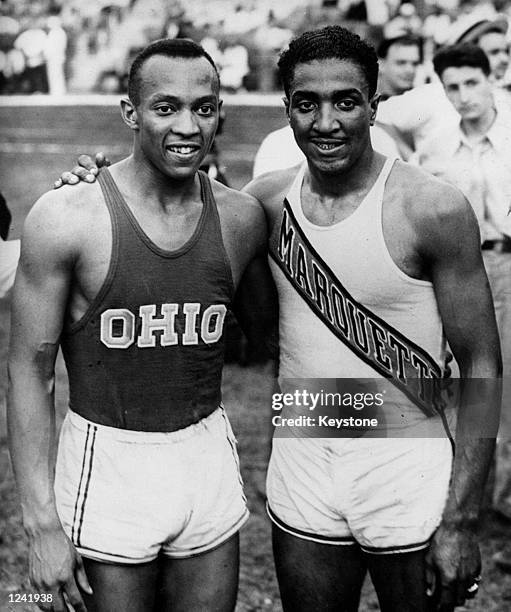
(359, 237)
(399, 59)
(132, 276)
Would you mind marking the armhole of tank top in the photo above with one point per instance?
(386, 172)
(209, 200)
(105, 180)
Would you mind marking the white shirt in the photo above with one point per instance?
(9, 255)
(481, 170)
(424, 110)
(279, 150)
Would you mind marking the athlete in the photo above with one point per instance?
(370, 270)
(133, 276)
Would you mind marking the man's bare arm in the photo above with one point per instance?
(39, 302)
(452, 247)
(256, 306)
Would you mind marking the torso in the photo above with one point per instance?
(376, 256)
(148, 306)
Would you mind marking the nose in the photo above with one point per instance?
(463, 94)
(326, 120)
(185, 123)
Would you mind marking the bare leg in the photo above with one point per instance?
(400, 581)
(206, 582)
(316, 576)
(130, 588)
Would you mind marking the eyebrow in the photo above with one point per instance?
(336, 94)
(161, 97)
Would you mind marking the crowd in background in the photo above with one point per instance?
(57, 46)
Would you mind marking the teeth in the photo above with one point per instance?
(326, 147)
(182, 150)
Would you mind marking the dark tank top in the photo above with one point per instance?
(148, 353)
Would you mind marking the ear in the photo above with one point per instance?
(373, 103)
(285, 99)
(129, 114)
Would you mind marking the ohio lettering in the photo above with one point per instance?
(156, 326)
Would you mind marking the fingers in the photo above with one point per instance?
(431, 577)
(101, 160)
(65, 598)
(81, 577)
(86, 161)
(68, 178)
(84, 174)
(54, 602)
(72, 597)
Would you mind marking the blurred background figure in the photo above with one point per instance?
(32, 43)
(400, 58)
(491, 36)
(55, 54)
(234, 67)
(411, 117)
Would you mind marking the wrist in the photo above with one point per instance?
(36, 524)
(460, 521)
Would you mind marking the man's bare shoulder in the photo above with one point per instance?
(425, 197)
(271, 189)
(59, 218)
(237, 206)
(436, 213)
(271, 185)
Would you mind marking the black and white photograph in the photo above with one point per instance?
(255, 305)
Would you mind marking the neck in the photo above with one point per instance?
(479, 126)
(353, 179)
(151, 186)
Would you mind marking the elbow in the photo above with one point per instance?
(38, 366)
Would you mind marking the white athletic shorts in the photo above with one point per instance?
(126, 496)
(387, 495)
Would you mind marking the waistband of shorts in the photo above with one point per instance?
(147, 437)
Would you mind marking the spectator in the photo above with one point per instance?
(234, 67)
(399, 60)
(490, 35)
(55, 52)
(474, 155)
(32, 43)
(416, 114)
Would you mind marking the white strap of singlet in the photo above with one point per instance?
(384, 174)
(293, 195)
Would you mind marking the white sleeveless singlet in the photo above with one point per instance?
(356, 252)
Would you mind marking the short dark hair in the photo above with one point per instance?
(171, 47)
(331, 42)
(457, 56)
(406, 40)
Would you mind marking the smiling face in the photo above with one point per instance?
(330, 113)
(400, 67)
(177, 115)
(469, 91)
